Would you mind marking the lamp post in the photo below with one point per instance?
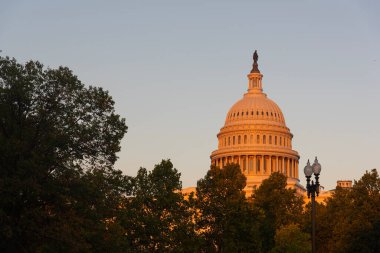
(312, 190)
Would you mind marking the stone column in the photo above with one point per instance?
(250, 168)
(242, 160)
(276, 167)
(283, 166)
(246, 163)
(254, 165)
(270, 164)
(294, 168)
(262, 165)
(291, 168)
(266, 166)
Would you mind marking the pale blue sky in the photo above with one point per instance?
(174, 69)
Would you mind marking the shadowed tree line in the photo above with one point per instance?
(59, 191)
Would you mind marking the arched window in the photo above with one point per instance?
(258, 139)
(280, 141)
(233, 140)
(229, 141)
(270, 139)
(264, 139)
(239, 139)
(225, 141)
(275, 140)
(245, 139)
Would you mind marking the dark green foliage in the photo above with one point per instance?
(58, 142)
(226, 221)
(156, 217)
(290, 239)
(350, 221)
(279, 205)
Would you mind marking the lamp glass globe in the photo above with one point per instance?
(317, 167)
(308, 170)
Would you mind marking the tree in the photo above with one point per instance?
(290, 239)
(226, 221)
(350, 221)
(58, 141)
(156, 217)
(280, 206)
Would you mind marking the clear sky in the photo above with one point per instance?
(175, 68)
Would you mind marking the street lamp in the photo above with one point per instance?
(312, 190)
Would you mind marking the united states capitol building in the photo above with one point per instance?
(255, 137)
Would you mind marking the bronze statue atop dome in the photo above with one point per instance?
(255, 66)
(255, 56)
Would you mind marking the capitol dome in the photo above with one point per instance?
(256, 137)
(255, 109)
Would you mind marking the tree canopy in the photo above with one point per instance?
(58, 142)
(291, 239)
(226, 222)
(350, 220)
(280, 206)
(156, 217)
